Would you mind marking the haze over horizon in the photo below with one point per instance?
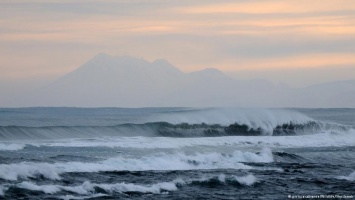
(291, 44)
(125, 81)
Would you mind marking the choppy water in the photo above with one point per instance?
(176, 153)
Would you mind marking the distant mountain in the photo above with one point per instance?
(112, 81)
(132, 82)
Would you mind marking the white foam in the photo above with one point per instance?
(28, 169)
(265, 156)
(222, 178)
(324, 139)
(180, 161)
(11, 146)
(68, 197)
(48, 189)
(88, 188)
(246, 180)
(130, 187)
(176, 161)
(265, 119)
(84, 189)
(351, 177)
(2, 190)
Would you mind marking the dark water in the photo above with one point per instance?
(176, 153)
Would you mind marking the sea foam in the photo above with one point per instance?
(266, 119)
(324, 139)
(175, 161)
(11, 146)
(2, 190)
(90, 189)
(351, 177)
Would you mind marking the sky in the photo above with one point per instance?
(294, 42)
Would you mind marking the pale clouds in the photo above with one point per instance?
(41, 38)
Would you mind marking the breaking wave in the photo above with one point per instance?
(11, 147)
(190, 123)
(326, 139)
(351, 177)
(96, 190)
(160, 162)
(2, 190)
(162, 129)
(247, 180)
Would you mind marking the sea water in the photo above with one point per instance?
(176, 153)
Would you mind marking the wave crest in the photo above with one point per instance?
(96, 189)
(176, 161)
(160, 129)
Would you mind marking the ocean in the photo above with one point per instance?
(177, 153)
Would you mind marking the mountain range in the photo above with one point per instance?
(107, 81)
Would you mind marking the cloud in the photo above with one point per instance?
(299, 61)
(269, 6)
(57, 36)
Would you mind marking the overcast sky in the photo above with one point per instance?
(247, 39)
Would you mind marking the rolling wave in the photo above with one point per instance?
(186, 123)
(164, 129)
(158, 162)
(91, 190)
